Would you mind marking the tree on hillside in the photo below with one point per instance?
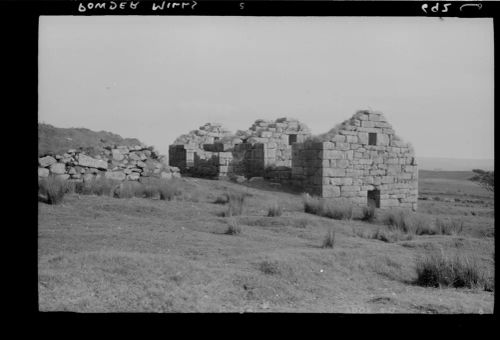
(486, 179)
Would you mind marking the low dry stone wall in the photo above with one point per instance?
(115, 162)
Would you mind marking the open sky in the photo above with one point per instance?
(154, 78)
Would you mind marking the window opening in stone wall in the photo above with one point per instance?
(374, 198)
(292, 139)
(372, 138)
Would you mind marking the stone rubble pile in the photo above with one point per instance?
(206, 134)
(114, 162)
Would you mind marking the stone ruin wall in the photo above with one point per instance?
(348, 167)
(115, 162)
(342, 165)
(275, 138)
(261, 150)
(200, 145)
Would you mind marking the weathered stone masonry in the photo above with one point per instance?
(114, 162)
(362, 160)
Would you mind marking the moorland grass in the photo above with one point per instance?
(233, 227)
(168, 190)
(235, 203)
(54, 189)
(322, 207)
(329, 239)
(440, 270)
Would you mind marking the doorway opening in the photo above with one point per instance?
(374, 198)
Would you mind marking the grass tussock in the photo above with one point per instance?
(269, 267)
(412, 223)
(275, 210)
(368, 214)
(99, 186)
(333, 210)
(53, 189)
(439, 270)
(452, 226)
(391, 236)
(382, 235)
(235, 203)
(103, 186)
(149, 191)
(128, 189)
(329, 240)
(408, 222)
(169, 189)
(293, 222)
(233, 227)
(224, 199)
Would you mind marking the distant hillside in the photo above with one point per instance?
(454, 164)
(53, 140)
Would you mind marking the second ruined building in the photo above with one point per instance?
(361, 160)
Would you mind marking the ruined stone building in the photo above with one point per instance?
(361, 160)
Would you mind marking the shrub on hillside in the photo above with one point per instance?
(437, 270)
(486, 179)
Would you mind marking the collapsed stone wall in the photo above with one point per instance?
(114, 162)
(363, 161)
(200, 146)
(277, 137)
(262, 150)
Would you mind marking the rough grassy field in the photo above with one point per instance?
(103, 254)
